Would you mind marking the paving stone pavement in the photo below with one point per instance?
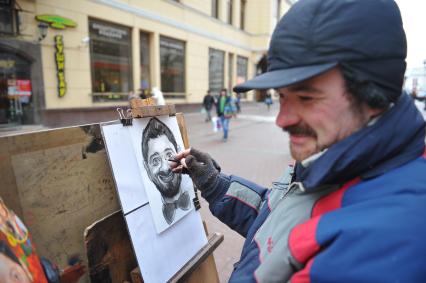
(256, 150)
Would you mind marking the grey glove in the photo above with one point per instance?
(202, 169)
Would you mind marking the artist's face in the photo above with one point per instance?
(11, 272)
(318, 113)
(160, 149)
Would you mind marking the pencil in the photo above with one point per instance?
(184, 170)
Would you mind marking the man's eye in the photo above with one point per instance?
(155, 161)
(305, 98)
(169, 155)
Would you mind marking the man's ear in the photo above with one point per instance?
(373, 112)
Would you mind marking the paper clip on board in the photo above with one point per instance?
(125, 117)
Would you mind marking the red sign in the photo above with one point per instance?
(19, 87)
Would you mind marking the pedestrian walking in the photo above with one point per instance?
(142, 94)
(208, 102)
(351, 208)
(158, 96)
(238, 101)
(224, 112)
(268, 100)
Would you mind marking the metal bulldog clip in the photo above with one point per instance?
(125, 118)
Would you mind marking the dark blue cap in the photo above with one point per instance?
(315, 36)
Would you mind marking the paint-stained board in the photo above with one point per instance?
(59, 181)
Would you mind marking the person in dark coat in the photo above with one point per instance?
(208, 103)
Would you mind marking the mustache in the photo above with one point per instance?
(300, 129)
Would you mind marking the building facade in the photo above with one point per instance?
(415, 81)
(73, 62)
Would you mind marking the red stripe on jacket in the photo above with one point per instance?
(303, 276)
(302, 242)
(302, 239)
(333, 200)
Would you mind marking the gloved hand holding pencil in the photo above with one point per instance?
(200, 166)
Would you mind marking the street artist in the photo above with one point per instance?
(352, 208)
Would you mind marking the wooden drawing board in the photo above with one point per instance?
(58, 182)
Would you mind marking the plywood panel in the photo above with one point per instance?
(59, 181)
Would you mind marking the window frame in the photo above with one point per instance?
(110, 96)
(230, 10)
(9, 6)
(210, 54)
(215, 9)
(243, 7)
(148, 37)
(174, 94)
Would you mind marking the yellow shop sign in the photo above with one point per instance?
(60, 65)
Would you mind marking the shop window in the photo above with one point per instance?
(242, 65)
(243, 14)
(216, 70)
(15, 89)
(145, 56)
(230, 9)
(111, 61)
(8, 17)
(172, 60)
(230, 70)
(215, 9)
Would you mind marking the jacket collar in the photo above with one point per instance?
(396, 138)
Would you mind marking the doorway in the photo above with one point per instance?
(15, 89)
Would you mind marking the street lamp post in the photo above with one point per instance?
(42, 28)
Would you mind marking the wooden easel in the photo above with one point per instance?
(201, 268)
(59, 181)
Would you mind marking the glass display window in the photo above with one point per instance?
(172, 62)
(216, 70)
(111, 61)
(15, 88)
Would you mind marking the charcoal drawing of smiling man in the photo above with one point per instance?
(158, 146)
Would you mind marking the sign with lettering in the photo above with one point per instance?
(60, 65)
(19, 87)
(104, 30)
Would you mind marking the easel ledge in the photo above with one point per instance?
(188, 269)
(141, 108)
(146, 108)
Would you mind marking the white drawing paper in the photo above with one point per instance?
(124, 166)
(160, 256)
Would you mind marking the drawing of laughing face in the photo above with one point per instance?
(158, 146)
(160, 150)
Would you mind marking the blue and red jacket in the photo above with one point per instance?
(356, 214)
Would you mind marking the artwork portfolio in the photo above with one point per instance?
(165, 229)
